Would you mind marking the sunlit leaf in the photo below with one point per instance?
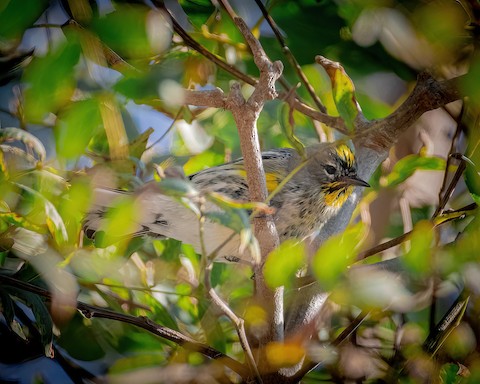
(26, 138)
(3, 167)
(54, 221)
(75, 127)
(343, 91)
(120, 221)
(283, 263)
(50, 81)
(472, 175)
(17, 220)
(209, 158)
(138, 146)
(406, 167)
(418, 258)
(284, 354)
(335, 255)
(322, 85)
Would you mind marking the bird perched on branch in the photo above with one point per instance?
(319, 184)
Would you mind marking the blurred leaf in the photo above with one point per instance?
(138, 146)
(6, 243)
(335, 255)
(18, 15)
(468, 83)
(147, 34)
(407, 166)
(75, 127)
(50, 81)
(30, 141)
(472, 175)
(54, 221)
(3, 167)
(120, 221)
(233, 220)
(80, 341)
(449, 374)
(284, 354)
(283, 263)
(215, 155)
(418, 258)
(17, 220)
(177, 187)
(73, 205)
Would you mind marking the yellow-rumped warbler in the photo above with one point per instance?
(313, 195)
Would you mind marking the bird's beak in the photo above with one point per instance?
(354, 180)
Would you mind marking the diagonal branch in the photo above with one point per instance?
(91, 311)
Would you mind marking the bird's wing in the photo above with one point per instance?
(230, 178)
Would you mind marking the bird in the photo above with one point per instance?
(324, 178)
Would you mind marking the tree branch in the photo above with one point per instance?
(91, 311)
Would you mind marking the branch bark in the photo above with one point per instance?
(246, 113)
(176, 337)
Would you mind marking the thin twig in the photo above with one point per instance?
(176, 337)
(169, 129)
(291, 58)
(453, 215)
(442, 193)
(207, 263)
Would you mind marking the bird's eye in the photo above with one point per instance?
(330, 169)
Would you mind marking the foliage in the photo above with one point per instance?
(83, 84)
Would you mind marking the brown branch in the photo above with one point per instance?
(91, 311)
(291, 58)
(246, 114)
(214, 98)
(189, 41)
(428, 94)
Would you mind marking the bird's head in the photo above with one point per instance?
(335, 167)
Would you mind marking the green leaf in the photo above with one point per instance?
(17, 220)
(322, 86)
(138, 146)
(177, 187)
(75, 127)
(283, 263)
(418, 258)
(50, 81)
(140, 39)
(3, 167)
(54, 221)
(472, 175)
(26, 138)
(208, 158)
(406, 167)
(18, 15)
(335, 255)
(121, 220)
(343, 91)
(43, 320)
(82, 342)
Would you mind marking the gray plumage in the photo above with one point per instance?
(311, 197)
